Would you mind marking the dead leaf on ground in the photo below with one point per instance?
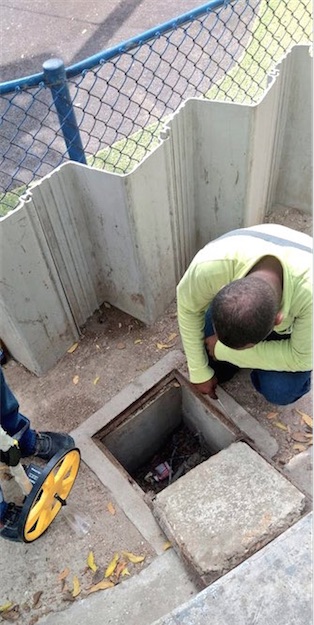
(280, 425)
(299, 447)
(91, 562)
(138, 341)
(11, 614)
(163, 346)
(67, 596)
(167, 545)
(75, 379)
(119, 569)
(305, 418)
(76, 586)
(96, 380)
(111, 508)
(36, 597)
(73, 348)
(132, 557)
(171, 337)
(98, 576)
(272, 415)
(125, 572)
(63, 574)
(112, 565)
(300, 437)
(121, 345)
(100, 586)
(6, 606)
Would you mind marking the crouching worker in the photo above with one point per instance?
(245, 301)
(29, 443)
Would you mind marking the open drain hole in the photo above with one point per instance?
(169, 432)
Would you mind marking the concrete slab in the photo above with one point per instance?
(272, 587)
(157, 590)
(225, 509)
(299, 470)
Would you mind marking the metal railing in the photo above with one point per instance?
(108, 110)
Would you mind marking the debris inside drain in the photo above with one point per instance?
(182, 451)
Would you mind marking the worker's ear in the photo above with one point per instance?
(278, 318)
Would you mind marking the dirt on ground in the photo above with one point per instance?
(114, 349)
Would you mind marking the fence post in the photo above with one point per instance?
(55, 79)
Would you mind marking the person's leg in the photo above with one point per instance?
(281, 387)
(14, 422)
(224, 371)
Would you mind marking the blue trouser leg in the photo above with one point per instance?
(278, 387)
(13, 421)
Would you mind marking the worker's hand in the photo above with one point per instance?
(208, 387)
(210, 343)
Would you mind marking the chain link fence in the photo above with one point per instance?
(108, 110)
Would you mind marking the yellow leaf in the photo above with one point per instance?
(125, 572)
(280, 425)
(112, 565)
(96, 379)
(138, 341)
(162, 346)
(63, 574)
(100, 586)
(75, 379)
(91, 562)
(111, 508)
(167, 545)
(172, 336)
(306, 418)
(272, 415)
(6, 606)
(299, 447)
(76, 587)
(133, 558)
(73, 348)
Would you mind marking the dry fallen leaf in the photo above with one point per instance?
(111, 508)
(96, 379)
(305, 418)
(112, 565)
(11, 614)
(299, 447)
(91, 562)
(125, 572)
(119, 569)
(167, 545)
(6, 606)
(76, 587)
(63, 574)
(75, 379)
(73, 348)
(36, 597)
(280, 425)
(120, 345)
(100, 586)
(132, 557)
(138, 341)
(172, 336)
(299, 437)
(272, 415)
(107, 305)
(163, 346)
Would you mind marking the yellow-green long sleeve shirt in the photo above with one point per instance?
(229, 258)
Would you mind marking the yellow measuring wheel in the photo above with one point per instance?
(51, 487)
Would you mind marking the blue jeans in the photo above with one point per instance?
(16, 425)
(278, 387)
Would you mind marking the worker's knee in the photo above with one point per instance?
(281, 387)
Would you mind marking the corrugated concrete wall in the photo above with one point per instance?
(85, 236)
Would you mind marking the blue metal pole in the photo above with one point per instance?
(55, 79)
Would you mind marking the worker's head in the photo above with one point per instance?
(244, 312)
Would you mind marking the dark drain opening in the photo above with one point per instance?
(182, 451)
(168, 434)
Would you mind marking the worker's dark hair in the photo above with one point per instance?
(244, 311)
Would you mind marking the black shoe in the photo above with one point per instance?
(9, 524)
(49, 443)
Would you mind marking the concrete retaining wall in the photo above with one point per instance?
(85, 236)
